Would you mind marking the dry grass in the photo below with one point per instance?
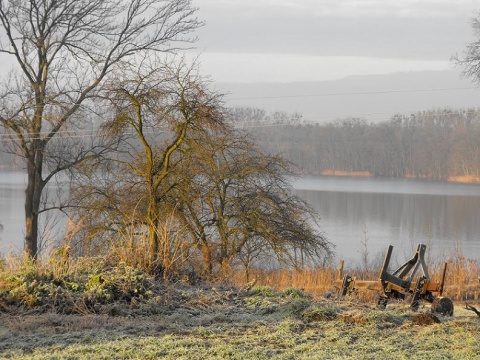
(462, 281)
(83, 308)
(466, 179)
(315, 281)
(279, 317)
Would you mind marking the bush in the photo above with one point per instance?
(320, 312)
(80, 289)
(262, 291)
(118, 283)
(295, 293)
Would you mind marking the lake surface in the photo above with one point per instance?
(12, 219)
(12, 215)
(370, 213)
(356, 214)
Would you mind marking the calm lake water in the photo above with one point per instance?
(12, 214)
(398, 212)
(353, 211)
(12, 197)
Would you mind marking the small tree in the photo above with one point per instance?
(63, 50)
(154, 111)
(239, 206)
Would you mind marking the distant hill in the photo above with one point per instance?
(375, 98)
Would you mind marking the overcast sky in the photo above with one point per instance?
(298, 40)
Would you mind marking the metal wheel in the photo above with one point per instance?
(382, 302)
(442, 305)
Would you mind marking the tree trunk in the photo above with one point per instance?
(207, 257)
(246, 272)
(153, 223)
(33, 194)
(153, 252)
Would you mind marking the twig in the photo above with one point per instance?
(470, 307)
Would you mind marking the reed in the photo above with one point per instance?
(316, 281)
(462, 280)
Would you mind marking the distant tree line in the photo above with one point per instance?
(435, 144)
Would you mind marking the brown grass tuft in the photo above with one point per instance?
(425, 319)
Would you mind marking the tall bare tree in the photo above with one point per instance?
(62, 51)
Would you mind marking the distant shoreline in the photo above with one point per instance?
(466, 179)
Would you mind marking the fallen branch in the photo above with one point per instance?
(470, 307)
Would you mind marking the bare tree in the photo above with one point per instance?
(179, 157)
(470, 59)
(240, 207)
(63, 50)
(155, 109)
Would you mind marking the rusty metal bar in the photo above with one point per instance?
(340, 270)
(442, 281)
(386, 262)
(367, 284)
(403, 270)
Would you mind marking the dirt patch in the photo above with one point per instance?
(425, 319)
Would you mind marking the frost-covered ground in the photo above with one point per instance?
(226, 323)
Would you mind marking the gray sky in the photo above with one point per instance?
(299, 40)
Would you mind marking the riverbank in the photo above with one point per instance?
(465, 179)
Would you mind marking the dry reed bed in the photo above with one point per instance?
(462, 282)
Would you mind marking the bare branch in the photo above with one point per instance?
(63, 51)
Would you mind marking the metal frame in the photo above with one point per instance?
(410, 281)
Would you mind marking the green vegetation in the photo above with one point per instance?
(71, 289)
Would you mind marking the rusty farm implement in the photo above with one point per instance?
(410, 282)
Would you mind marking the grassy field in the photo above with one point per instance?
(186, 322)
(87, 308)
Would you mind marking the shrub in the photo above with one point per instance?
(262, 291)
(294, 293)
(79, 289)
(320, 312)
